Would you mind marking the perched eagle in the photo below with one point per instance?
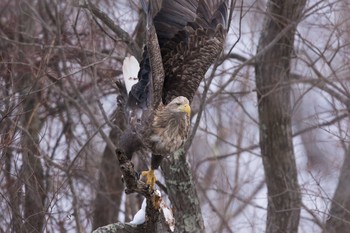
(191, 35)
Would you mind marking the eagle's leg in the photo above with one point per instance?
(151, 178)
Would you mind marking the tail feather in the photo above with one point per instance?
(131, 69)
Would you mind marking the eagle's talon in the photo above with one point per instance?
(151, 178)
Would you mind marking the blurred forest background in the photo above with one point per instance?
(58, 65)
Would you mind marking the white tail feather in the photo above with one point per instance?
(131, 68)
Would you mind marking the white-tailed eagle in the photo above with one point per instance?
(191, 36)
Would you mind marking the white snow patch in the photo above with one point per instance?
(140, 216)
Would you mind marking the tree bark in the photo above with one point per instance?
(339, 220)
(182, 193)
(131, 228)
(272, 70)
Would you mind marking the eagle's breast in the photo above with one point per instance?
(169, 132)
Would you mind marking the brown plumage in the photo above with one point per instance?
(189, 54)
(170, 126)
(191, 35)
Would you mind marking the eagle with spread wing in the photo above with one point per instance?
(191, 36)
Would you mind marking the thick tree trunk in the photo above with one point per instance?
(182, 193)
(272, 75)
(110, 187)
(32, 175)
(339, 220)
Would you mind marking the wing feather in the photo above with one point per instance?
(189, 54)
(191, 34)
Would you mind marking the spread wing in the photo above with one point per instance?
(191, 35)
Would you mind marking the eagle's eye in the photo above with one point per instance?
(178, 104)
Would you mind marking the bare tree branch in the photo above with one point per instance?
(123, 35)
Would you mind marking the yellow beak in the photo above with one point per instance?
(186, 108)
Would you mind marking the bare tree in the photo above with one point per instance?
(59, 125)
(272, 73)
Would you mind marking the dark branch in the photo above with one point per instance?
(117, 228)
(130, 178)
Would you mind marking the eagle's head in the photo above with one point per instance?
(179, 105)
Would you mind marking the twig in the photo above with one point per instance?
(123, 35)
